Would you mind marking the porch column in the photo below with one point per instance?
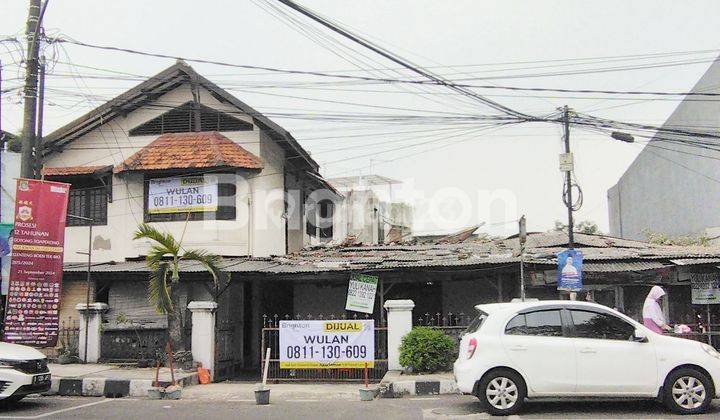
(203, 334)
(90, 330)
(399, 323)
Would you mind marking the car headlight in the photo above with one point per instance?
(710, 350)
(7, 364)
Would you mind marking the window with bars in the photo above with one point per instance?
(88, 198)
(181, 120)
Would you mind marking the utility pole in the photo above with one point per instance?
(567, 159)
(37, 156)
(522, 238)
(32, 32)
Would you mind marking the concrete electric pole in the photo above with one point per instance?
(567, 165)
(32, 31)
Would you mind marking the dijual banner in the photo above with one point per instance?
(315, 344)
(33, 299)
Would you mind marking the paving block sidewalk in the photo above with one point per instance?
(245, 392)
(95, 380)
(395, 384)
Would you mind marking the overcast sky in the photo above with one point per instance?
(505, 43)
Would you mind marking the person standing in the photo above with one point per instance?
(653, 316)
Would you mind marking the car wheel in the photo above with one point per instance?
(688, 391)
(502, 392)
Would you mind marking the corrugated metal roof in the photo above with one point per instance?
(602, 256)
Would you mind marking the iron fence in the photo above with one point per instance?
(68, 339)
(452, 324)
(271, 339)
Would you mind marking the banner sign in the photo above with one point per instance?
(361, 293)
(5, 236)
(327, 344)
(705, 288)
(183, 194)
(569, 273)
(36, 267)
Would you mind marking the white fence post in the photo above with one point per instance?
(203, 334)
(399, 323)
(92, 315)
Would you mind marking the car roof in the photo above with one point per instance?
(521, 306)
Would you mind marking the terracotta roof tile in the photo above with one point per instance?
(208, 149)
(75, 170)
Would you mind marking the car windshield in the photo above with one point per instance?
(476, 323)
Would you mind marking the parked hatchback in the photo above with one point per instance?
(23, 371)
(576, 350)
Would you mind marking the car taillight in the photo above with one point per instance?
(472, 345)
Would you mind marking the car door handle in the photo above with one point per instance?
(588, 350)
(518, 348)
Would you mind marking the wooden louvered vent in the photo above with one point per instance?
(180, 120)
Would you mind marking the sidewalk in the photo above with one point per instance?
(94, 380)
(245, 391)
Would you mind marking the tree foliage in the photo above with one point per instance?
(659, 238)
(163, 259)
(587, 227)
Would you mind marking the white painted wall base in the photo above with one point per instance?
(203, 334)
(92, 313)
(399, 323)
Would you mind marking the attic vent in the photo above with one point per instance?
(180, 120)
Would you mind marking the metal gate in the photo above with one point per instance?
(270, 338)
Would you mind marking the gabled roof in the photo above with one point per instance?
(195, 150)
(157, 85)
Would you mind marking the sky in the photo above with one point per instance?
(456, 171)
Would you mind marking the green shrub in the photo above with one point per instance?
(427, 349)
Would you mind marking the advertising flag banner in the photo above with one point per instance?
(183, 194)
(36, 267)
(361, 293)
(327, 344)
(569, 273)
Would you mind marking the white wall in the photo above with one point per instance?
(111, 145)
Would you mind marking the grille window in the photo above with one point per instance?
(181, 120)
(88, 197)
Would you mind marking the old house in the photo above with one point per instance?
(179, 152)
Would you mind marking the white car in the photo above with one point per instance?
(23, 371)
(576, 350)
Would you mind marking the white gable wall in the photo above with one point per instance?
(110, 144)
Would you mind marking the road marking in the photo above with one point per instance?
(240, 400)
(52, 413)
(423, 398)
(301, 400)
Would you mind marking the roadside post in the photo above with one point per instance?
(522, 238)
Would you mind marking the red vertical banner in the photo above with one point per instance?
(36, 268)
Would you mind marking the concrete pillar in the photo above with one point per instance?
(399, 323)
(91, 313)
(203, 334)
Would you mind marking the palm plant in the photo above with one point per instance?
(164, 259)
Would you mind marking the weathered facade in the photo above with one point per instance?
(671, 187)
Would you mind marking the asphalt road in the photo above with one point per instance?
(441, 407)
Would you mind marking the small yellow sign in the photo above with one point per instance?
(342, 326)
(345, 364)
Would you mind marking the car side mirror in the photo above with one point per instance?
(639, 336)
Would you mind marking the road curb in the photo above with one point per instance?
(396, 385)
(109, 387)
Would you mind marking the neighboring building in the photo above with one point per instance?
(672, 188)
(369, 213)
